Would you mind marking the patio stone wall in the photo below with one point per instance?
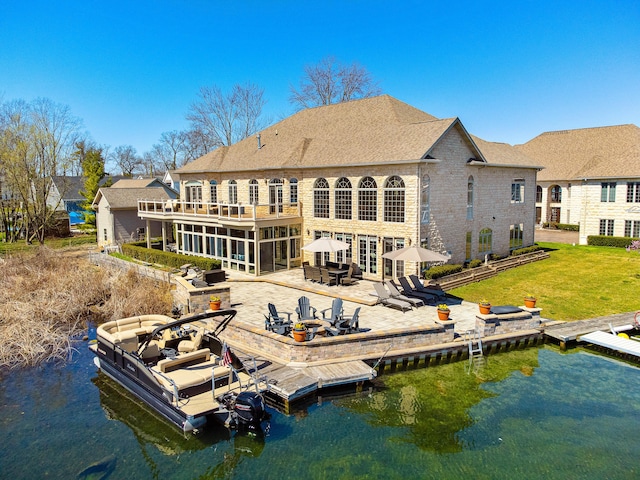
(489, 325)
(363, 346)
(196, 300)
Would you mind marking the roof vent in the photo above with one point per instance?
(259, 142)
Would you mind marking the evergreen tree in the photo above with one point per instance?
(93, 171)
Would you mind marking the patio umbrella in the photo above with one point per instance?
(414, 253)
(326, 244)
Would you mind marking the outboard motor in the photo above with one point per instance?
(250, 410)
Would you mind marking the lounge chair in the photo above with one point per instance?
(336, 312)
(395, 293)
(349, 279)
(409, 291)
(304, 309)
(349, 324)
(386, 299)
(419, 286)
(275, 322)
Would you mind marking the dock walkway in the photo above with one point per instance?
(613, 342)
(570, 331)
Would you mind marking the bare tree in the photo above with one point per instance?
(332, 82)
(171, 151)
(127, 159)
(223, 119)
(37, 143)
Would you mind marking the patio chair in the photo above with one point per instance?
(357, 272)
(304, 309)
(385, 299)
(395, 293)
(275, 322)
(348, 280)
(349, 324)
(326, 278)
(419, 286)
(409, 291)
(336, 312)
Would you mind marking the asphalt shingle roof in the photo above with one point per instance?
(598, 152)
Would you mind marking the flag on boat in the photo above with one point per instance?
(226, 355)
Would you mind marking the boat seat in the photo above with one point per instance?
(127, 340)
(183, 360)
(152, 350)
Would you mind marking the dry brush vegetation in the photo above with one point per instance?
(46, 300)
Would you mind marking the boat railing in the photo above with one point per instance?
(173, 384)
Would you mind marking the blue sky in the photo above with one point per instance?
(509, 70)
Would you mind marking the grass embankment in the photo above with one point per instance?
(47, 297)
(577, 282)
(55, 243)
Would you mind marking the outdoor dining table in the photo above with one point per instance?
(338, 274)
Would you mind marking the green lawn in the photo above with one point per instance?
(577, 282)
(21, 246)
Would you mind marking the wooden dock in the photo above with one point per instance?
(567, 332)
(292, 382)
(613, 342)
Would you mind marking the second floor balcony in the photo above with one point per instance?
(170, 210)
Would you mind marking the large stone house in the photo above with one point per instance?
(376, 173)
(116, 210)
(591, 179)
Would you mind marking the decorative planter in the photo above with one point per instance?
(484, 309)
(530, 302)
(214, 305)
(299, 335)
(443, 314)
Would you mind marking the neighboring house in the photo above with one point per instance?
(116, 209)
(591, 178)
(376, 173)
(65, 195)
(169, 179)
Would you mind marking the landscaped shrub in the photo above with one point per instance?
(606, 241)
(475, 263)
(441, 271)
(522, 251)
(568, 226)
(170, 259)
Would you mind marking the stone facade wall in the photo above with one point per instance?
(196, 300)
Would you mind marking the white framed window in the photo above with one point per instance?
(606, 227)
(321, 198)
(253, 192)
(394, 200)
(470, 198)
(515, 236)
(368, 200)
(608, 192)
(517, 191)
(213, 191)
(633, 192)
(293, 190)
(632, 228)
(425, 207)
(233, 191)
(485, 240)
(343, 199)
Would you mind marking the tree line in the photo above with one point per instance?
(41, 139)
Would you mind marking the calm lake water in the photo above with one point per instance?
(533, 413)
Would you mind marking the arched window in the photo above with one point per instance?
(470, 198)
(394, 200)
(484, 241)
(556, 194)
(321, 198)
(343, 199)
(538, 194)
(233, 191)
(293, 190)
(253, 191)
(368, 200)
(425, 208)
(213, 191)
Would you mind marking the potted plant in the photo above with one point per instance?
(299, 332)
(443, 311)
(530, 300)
(485, 306)
(214, 302)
